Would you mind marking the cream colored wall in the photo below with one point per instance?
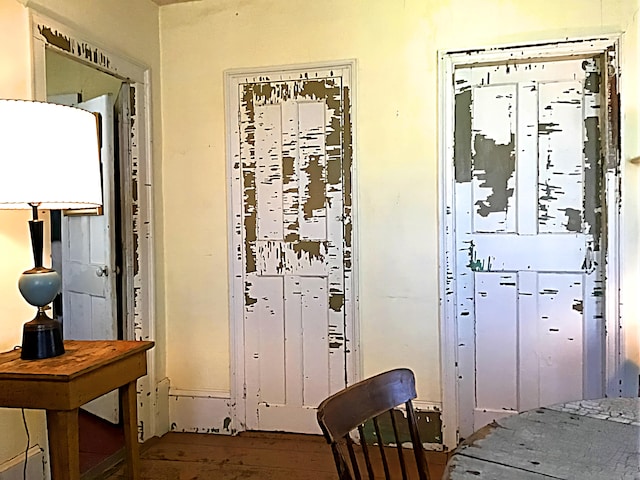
(15, 250)
(122, 26)
(396, 44)
(630, 231)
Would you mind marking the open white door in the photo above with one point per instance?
(88, 262)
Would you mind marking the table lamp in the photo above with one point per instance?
(49, 159)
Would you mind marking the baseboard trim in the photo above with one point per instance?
(430, 422)
(199, 411)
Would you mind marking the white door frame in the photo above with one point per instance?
(448, 61)
(236, 281)
(139, 324)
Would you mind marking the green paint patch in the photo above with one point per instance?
(336, 301)
(462, 137)
(56, 39)
(574, 219)
(475, 264)
(316, 194)
(311, 248)
(429, 428)
(578, 306)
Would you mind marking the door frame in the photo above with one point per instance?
(448, 62)
(139, 322)
(238, 401)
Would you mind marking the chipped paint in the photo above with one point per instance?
(578, 305)
(574, 219)
(311, 250)
(336, 301)
(82, 50)
(55, 38)
(315, 190)
(494, 165)
(462, 136)
(593, 179)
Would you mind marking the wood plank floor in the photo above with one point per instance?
(249, 455)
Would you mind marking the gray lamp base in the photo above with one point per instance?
(41, 338)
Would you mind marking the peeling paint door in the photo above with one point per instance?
(291, 159)
(528, 236)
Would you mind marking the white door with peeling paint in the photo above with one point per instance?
(528, 237)
(88, 262)
(291, 159)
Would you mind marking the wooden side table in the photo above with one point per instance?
(61, 385)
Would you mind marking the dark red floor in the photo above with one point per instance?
(99, 440)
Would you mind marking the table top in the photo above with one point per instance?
(80, 357)
(586, 440)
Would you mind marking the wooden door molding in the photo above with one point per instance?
(50, 34)
(607, 46)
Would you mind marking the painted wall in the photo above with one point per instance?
(15, 256)
(396, 44)
(128, 28)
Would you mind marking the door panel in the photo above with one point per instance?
(293, 168)
(527, 237)
(497, 368)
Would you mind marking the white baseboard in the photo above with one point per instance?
(211, 412)
(162, 407)
(14, 469)
(427, 406)
(201, 412)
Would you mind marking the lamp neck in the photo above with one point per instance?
(37, 242)
(34, 211)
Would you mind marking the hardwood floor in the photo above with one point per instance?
(249, 455)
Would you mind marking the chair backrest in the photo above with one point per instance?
(370, 408)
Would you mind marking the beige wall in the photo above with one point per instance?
(123, 27)
(15, 256)
(396, 44)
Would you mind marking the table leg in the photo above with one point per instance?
(130, 419)
(64, 446)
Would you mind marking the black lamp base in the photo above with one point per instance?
(41, 338)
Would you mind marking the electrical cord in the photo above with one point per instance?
(26, 451)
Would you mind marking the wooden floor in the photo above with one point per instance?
(249, 455)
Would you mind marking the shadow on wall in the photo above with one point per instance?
(630, 381)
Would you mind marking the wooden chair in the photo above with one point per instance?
(367, 407)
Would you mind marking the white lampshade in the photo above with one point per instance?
(49, 155)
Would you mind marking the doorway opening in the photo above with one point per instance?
(87, 247)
